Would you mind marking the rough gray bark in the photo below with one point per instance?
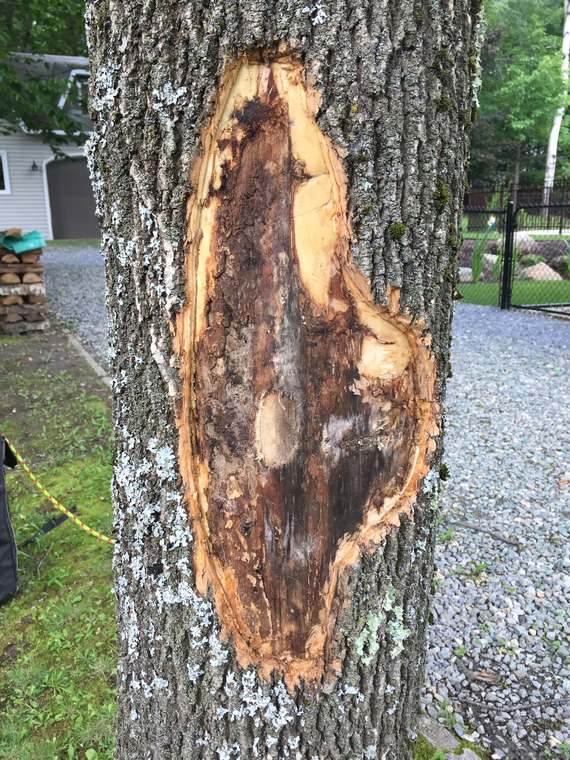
(396, 80)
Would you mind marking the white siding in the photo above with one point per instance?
(26, 206)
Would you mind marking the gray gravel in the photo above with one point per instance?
(502, 603)
(499, 655)
(75, 285)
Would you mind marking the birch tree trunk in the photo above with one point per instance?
(552, 151)
(279, 189)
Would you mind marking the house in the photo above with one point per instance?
(40, 189)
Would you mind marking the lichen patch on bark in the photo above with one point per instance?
(308, 411)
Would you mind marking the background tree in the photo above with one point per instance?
(279, 187)
(522, 88)
(552, 150)
(30, 98)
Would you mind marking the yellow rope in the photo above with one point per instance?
(58, 505)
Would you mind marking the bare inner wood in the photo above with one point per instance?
(307, 419)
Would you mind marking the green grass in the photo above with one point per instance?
(423, 750)
(524, 292)
(57, 638)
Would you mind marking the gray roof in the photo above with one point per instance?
(48, 66)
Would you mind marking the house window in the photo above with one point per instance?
(4, 174)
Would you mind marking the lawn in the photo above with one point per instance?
(524, 292)
(57, 641)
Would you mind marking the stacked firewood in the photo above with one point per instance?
(22, 291)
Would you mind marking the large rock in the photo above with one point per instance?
(438, 736)
(561, 264)
(468, 246)
(524, 243)
(539, 272)
(465, 274)
(489, 263)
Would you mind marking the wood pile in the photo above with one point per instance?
(22, 292)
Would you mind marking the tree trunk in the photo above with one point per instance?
(552, 151)
(279, 188)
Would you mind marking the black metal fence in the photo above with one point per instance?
(526, 195)
(516, 256)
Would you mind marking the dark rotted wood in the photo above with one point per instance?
(299, 445)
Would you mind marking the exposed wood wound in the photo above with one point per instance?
(308, 412)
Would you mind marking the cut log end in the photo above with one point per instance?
(308, 411)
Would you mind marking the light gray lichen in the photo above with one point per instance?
(397, 632)
(316, 12)
(366, 644)
(165, 97)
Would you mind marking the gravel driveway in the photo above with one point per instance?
(498, 662)
(499, 645)
(75, 284)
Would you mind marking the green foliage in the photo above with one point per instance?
(477, 569)
(55, 27)
(497, 268)
(477, 259)
(423, 750)
(447, 535)
(37, 26)
(530, 260)
(397, 230)
(454, 243)
(442, 196)
(522, 88)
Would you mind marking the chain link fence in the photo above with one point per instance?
(516, 256)
(540, 266)
(481, 255)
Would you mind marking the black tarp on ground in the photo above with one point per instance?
(8, 552)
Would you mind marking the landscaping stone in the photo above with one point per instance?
(539, 272)
(561, 264)
(524, 243)
(436, 734)
(466, 754)
(489, 267)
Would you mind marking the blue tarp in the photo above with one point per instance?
(28, 242)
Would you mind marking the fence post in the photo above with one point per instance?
(507, 273)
